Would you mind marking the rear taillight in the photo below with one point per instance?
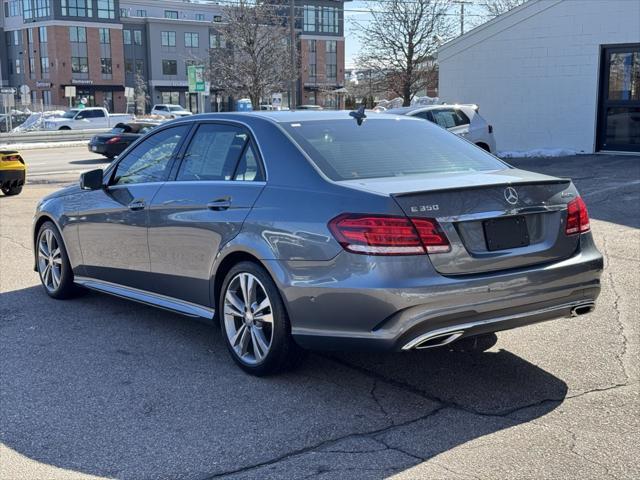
(577, 217)
(387, 235)
(113, 140)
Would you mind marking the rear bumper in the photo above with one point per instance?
(386, 303)
(12, 178)
(103, 149)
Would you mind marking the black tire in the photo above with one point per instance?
(283, 352)
(476, 343)
(65, 287)
(64, 128)
(9, 191)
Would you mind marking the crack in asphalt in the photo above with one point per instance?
(616, 308)
(15, 242)
(373, 395)
(458, 474)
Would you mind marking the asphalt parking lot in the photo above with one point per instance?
(98, 387)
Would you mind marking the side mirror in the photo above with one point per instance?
(91, 180)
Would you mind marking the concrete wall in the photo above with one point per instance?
(534, 71)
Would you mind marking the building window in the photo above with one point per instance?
(141, 13)
(32, 68)
(27, 10)
(128, 67)
(329, 20)
(44, 66)
(200, 16)
(77, 8)
(139, 67)
(126, 37)
(169, 67)
(171, 14)
(14, 38)
(216, 40)
(46, 97)
(191, 40)
(331, 60)
(106, 68)
(77, 34)
(40, 7)
(18, 66)
(217, 18)
(42, 35)
(312, 60)
(13, 8)
(105, 36)
(124, 12)
(168, 39)
(309, 18)
(79, 65)
(137, 37)
(30, 36)
(106, 9)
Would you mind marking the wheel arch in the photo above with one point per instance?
(484, 146)
(43, 218)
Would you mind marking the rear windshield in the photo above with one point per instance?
(391, 147)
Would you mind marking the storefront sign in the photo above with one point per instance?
(195, 75)
(79, 81)
(43, 84)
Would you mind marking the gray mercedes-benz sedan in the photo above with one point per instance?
(316, 230)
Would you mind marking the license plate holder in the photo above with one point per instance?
(506, 233)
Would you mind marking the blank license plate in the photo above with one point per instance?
(506, 233)
(94, 148)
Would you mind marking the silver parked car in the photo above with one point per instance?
(463, 120)
(316, 230)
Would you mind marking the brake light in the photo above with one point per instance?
(113, 140)
(577, 217)
(387, 235)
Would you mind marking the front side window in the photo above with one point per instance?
(379, 148)
(217, 153)
(149, 161)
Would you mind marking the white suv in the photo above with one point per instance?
(172, 111)
(463, 120)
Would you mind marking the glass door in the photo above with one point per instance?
(619, 100)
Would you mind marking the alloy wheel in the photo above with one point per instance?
(49, 260)
(248, 318)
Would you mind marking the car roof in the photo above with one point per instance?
(287, 116)
(421, 108)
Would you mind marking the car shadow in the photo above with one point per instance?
(108, 387)
(609, 184)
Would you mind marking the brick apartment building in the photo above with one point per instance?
(103, 46)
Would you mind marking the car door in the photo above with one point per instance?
(194, 214)
(113, 220)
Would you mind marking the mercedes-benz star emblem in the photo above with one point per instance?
(510, 195)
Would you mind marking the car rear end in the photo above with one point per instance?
(13, 172)
(467, 246)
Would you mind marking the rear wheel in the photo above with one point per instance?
(254, 322)
(53, 263)
(8, 191)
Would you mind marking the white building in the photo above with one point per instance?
(552, 74)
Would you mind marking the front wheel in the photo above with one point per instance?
(8, 191)
(53, 263)
(254, 321)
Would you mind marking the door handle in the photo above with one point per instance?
(220, 204)
(136, 205)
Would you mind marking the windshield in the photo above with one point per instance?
(390, 147)
(70, 114)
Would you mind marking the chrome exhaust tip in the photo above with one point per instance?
(433, 340)
(582, 309)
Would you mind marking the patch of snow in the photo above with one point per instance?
(36, 146)
(538, 152)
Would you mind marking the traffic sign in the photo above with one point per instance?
(8, 91)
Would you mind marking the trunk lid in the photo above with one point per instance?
(481, 212)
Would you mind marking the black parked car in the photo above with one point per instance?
(120, 137)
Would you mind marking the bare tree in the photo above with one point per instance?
(257, 60)
(141, 94)
(400, 40)
(498, 7)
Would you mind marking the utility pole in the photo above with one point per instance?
(292, 31)
(462, 3)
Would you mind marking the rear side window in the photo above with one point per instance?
(450, 117)
(389, 147)
(219, 152)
